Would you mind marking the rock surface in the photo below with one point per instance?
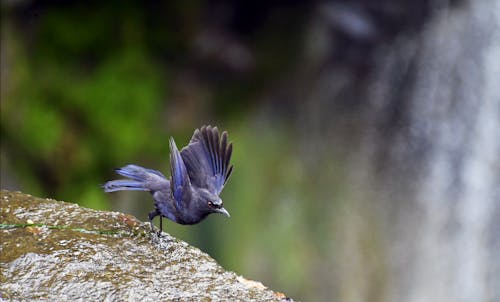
(57, 251)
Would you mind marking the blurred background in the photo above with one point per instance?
(366, 134)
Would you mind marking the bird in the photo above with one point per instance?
(199, 173)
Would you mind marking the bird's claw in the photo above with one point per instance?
(157, 233)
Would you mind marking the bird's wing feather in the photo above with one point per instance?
(207, 158)
(180, 184)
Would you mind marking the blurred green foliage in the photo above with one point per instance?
(82, 99)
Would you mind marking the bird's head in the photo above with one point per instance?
(214, 203)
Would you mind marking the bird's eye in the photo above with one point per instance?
(210, 204)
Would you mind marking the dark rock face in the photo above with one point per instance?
(52, 250)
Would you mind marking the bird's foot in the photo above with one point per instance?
(157, 233)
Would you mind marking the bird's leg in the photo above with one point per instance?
(161, 226)
(151, 216)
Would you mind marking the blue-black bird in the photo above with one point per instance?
(198, 175)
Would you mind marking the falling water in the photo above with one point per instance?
(427, 130)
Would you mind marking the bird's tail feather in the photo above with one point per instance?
(140, 179)
(138, 173)
(123, 184)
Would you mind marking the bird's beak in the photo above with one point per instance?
(223, 211)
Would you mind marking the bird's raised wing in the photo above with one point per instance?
(207, 159)
(180, 184)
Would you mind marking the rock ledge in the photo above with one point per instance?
(58, 251)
